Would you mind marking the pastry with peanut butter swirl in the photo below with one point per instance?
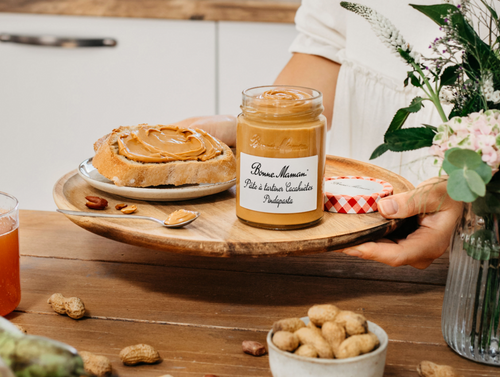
(145, 155)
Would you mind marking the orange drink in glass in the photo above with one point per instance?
(10, 283)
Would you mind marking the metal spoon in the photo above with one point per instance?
(92, 214)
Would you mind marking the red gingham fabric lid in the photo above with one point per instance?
(346, 198)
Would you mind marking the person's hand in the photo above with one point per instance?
(222, 127)
(438, 215)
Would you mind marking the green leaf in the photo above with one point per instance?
(485, 172)
(436, 13)
(449, 76)
(441, 12)
(415, 81)
(464, 158)
(459, 159)
(449, 168)
(408, 139)
(472, 105)
(447, 153)
(406, 56)
(492, 11)
(468, 36)
(402, 114)
(475, 182)
(430, 127)
(379, 151)
(458, 188)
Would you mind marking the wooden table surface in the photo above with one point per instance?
(196, 311)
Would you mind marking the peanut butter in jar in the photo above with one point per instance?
(280, 152)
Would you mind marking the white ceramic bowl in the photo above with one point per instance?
(286, 364)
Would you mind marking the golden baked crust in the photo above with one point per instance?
(125, 172)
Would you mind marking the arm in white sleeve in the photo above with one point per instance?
(321, 26)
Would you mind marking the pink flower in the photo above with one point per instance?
(481, 127)
(477, 131)
(437, 151)
(490, 156)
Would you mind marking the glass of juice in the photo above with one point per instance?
(10, 282)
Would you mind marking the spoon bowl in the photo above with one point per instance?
(162, 222)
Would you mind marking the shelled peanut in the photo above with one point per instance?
(331, 333)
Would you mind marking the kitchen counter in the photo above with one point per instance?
(214, 10)
(196, 311)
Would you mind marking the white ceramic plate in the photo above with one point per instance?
(166, 193)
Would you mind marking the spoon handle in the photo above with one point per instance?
(92, 214)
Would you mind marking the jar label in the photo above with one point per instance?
(278, 185)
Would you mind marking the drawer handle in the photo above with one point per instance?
(58, 42)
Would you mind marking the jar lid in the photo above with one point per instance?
(354, 194)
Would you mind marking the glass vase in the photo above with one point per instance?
(471, 307)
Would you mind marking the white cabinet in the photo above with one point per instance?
(56, 102)
(250, 54)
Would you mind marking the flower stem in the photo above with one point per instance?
(474, 331)
(433, 95)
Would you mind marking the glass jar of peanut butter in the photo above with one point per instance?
(280, 152)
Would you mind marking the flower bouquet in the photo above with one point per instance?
(462, 72)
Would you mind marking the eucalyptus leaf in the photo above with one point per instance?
(448, 167)
(458, 188)
(447, 153)
(485, 172)
(459, 159)
(475, 182)
(464, 158)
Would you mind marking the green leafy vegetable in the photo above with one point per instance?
(36, 356)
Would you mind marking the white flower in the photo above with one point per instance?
(384, 29)
(487, 89)
(495, 97)
(446, 95)
(416, 56)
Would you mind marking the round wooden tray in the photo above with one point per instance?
(218, 232)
